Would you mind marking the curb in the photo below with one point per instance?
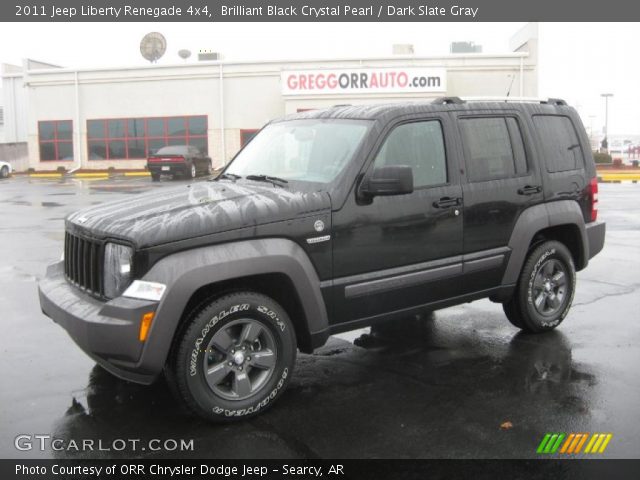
(619, 177)
(89, 175)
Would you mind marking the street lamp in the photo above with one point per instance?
(605, 142)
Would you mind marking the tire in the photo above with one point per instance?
(245, 377)
(4, 172)
(513, 314)
(545, 289)
(193, 172)
(155, 178)
(209, 168)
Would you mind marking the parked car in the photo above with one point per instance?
(5, 169)
(328, 221)
(183, 160)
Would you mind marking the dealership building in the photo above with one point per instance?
(114, 117)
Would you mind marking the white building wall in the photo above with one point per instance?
(251, 95)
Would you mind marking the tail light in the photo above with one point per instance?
(593, 195)
(171, 159)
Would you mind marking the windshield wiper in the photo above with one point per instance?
(228, 176)
(266, 178)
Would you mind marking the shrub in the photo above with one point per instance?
(602, 157)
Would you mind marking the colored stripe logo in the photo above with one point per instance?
(573, 443)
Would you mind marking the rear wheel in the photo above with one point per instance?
(209, 168)
(193, 172)
(545, 289)
(4, 172)
(235, 358)
(155, 177)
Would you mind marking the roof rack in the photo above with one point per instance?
(458, 100)
(447, 101)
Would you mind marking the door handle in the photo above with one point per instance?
(530, 190)
(447, 202)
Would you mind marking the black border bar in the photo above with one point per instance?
(318, 10)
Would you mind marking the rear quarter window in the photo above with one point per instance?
(560, 144)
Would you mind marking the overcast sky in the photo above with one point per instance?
(578, 61)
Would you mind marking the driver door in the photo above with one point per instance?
(399, 252)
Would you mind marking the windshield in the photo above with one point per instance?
(311, 150)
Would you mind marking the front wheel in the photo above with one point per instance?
(235, 358)
(4, 172)
(193, 172)
(545, 289)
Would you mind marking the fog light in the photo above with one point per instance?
(145, 325)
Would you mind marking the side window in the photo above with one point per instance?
(419, 145)
(560, 144)
(493, 148)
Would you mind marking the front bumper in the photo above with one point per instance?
(106, 331)
(595, 235)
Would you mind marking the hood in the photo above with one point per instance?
(194, 210)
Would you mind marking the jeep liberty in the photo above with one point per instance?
(325, 222)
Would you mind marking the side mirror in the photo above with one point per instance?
(389, 180)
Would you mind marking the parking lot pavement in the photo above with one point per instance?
(462, 383)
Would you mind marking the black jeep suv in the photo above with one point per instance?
(325, 222)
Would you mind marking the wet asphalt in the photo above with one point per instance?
(461, 383)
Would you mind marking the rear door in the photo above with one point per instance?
(499, 182)
(564, 160)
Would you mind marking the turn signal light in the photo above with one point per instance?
(145, 325)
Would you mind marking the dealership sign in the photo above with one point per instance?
(363, 81)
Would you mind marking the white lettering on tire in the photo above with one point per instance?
(193, 364)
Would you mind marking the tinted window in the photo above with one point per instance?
(198, 125)
(46, 130)
(488, 151)
(64, 130)
(560, 143)
(176, 126)
(116, 128)
(419, 145)
(95, 128)
(155, 127)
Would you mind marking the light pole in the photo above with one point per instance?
(606, 119)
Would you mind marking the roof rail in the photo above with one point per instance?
(447, 101)
(546, 101)
(556, 101)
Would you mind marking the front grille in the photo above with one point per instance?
(83, 263)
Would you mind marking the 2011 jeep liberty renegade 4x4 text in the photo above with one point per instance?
(325, 222)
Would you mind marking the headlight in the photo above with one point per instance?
(117, 269)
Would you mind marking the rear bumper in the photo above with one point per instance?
(595, 236)
(106, 331)
(168, 168)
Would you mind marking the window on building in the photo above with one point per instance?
(561, 146)
(55, 139)
(1, 116)
(493, 148)
(137, 138)
(246, 136)
(419, 145)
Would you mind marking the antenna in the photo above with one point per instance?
(184, 54)
(513, 77)
(153, 46)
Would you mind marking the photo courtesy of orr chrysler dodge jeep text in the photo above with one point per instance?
(328, 221)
